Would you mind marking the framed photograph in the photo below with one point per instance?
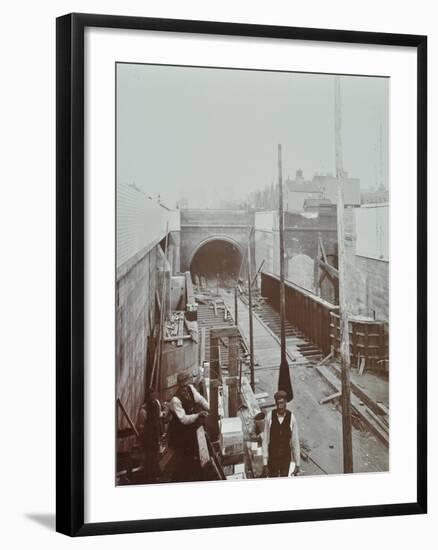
(241, 274)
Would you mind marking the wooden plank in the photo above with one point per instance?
(223, 332)
(361, 394)
(376, 419)
(374, 427)
(322, 248)
(223, 342)
(330, 398)
(249, 398)
(331, 270)
(326, 358)
(217, 466)
(204, 454)
(190, 295)
(261, 395)
(197, 284)
(158, 300)
(219, 354)
(179, 341)
(192, 329)
(128, 418)
(257, 272)
(202, 347)
(163, 255)
(177, 338)
(213, 417)
(382, 407)
(233, 360)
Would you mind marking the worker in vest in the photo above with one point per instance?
(281, 444)
(187, 407)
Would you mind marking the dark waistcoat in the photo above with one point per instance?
(181, 435)
(280, 436)
(185, 395)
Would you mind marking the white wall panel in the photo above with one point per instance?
(141, 222)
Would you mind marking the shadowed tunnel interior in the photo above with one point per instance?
(217, 257)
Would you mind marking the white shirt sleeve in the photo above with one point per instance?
(295, 440)
(265, 438)
(178, 410)
(199, 400)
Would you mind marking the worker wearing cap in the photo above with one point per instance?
(281, 443)
(187, 407)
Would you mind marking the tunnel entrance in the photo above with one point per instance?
(217, 259)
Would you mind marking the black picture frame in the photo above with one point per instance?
(70, 272)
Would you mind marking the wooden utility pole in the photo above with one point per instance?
(344, 343)
(236, 306)
(233, 372)
(215, 379)
(251, 331)
(284, 382)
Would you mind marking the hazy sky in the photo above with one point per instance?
(212, 134)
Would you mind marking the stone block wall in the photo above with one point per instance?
(135, 305)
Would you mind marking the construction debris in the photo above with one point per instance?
(366, 415)
(173, 324)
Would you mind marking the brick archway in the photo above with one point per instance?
(213, 238)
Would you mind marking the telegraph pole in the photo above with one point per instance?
(284, 382)
(251, 330)
(236, 307)
(344, 343)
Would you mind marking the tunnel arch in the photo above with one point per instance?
(217, 254)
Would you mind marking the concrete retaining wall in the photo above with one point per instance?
(368, 288)
(367, 278)
(135, 303)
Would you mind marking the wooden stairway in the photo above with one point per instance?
(294, 336)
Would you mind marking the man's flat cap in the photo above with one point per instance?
(183, 377)
(280, 394)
